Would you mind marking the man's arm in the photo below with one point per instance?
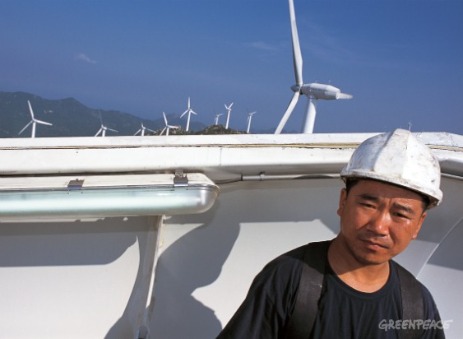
(433, 325)
(269, 302)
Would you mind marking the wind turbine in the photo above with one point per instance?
(167, 127)
(216, 121)
(142, 130)
(33, 122)
(228, 108)
(103, 130)
(249, 121)
(313, 91)
(188, 111)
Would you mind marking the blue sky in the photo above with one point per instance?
(401, 60)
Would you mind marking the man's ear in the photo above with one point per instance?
(342, 201)
(418, 226)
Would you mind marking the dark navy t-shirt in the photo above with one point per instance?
(343, 311)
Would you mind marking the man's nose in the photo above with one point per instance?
(379, 223)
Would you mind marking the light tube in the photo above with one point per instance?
(144, 195)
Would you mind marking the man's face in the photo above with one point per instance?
(378, 220)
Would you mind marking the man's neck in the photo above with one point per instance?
(361, 277)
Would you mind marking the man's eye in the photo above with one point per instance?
(367, 204)
(401, 215)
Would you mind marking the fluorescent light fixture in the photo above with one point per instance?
(82, 197)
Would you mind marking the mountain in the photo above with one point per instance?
(71, 118)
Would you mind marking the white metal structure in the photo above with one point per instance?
(313, 91)
(109, 268)
(33, 122)
(229, 109)
(167, 126)
(142, 130)
(248, 129)
(189, 111)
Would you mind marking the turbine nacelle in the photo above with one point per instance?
(320, 91)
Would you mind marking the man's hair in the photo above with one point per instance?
(351, 182)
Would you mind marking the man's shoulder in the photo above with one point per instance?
(299, 252)
(402, 272)
(288, 261)
(293, 260)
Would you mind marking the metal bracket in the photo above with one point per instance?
(180, 179)
(75, 184)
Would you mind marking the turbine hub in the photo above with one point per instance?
(296, 88)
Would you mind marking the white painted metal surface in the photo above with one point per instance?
(76, 279)
(96, 279)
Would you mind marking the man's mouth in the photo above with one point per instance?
(374, 245)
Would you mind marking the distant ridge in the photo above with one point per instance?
(70, 118)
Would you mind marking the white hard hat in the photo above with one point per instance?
(398, 158)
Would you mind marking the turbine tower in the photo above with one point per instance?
(249, 121)
(313, 91)
(188, 111)
(167, 126)
(33, 122)
(216, 121)
(142, 130)
(228, 108)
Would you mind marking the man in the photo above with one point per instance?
(391, 181)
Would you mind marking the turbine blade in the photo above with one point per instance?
(297, 55)
(288, 112)
(43, 122)
(30, 109)
(25, 127)
(99, 131)
(165, 118)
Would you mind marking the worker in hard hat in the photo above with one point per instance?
(350, 286)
